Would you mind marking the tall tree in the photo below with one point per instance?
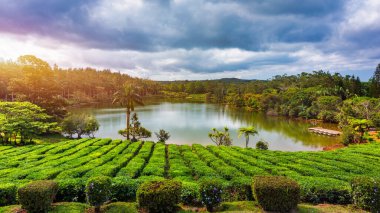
(24, 120)
(38, 85)
(375, 83)
(128, 96)
(247, 131)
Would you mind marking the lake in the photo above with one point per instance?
(190, 123)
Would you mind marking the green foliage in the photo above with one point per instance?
(220, 137)
(276, 193)
(8, 194)
(80, 124)
(247, 131)
(71, 190)
(238, 189)
(23, 119)
(211, 190)
(348, 135)
(262, 145)
(374, 88)
(366, 194)
(98, 190)
(190, 194)
(324, 190)
(37, 196)
(360, 126)
(323, 176)
(128, 96)
(159, 196)
(37, 84)
(124, 188)
(120, 207)
(359, 111)
(135, 130)
(162, 136)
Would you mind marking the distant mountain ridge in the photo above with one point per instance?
(226, 80)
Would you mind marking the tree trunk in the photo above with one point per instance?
(128, 120)
(246, 141)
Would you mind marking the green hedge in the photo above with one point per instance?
(190, 194)
(124, 188)
(71, 190)
(324, 190)
(36, 197)
(211, 190)
(8, 194)
(159, 196)
(366, 194)
(98, 191)
(276, 193)
(238, 189)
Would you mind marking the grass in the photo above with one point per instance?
(68, 207)
(241, 206)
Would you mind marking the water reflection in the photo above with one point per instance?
(190, 123)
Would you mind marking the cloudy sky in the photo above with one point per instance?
(196, 39)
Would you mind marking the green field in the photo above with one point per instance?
(323, 176)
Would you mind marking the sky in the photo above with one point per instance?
(196, 39)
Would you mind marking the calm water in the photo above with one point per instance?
(190, 123)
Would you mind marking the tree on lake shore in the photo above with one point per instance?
(135, 130)
(23, 121)
(128, 96)
(247, 131)
(220, 137)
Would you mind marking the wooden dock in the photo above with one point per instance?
(320, 130)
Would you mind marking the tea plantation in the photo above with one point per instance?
(323, 176)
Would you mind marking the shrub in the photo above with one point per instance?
(211, 193)
(276, 193)
(262, 145)
(238, 189)
(190, 194)
(37, 196)
(8, 194)
(159, 196)
(124, 188)
(71, 190)
(365, 193)
(324, 190)
(98, 191)
(162, 135)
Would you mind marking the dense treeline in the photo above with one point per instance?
(316, 95)
(53, 88)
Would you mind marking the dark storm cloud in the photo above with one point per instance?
(201, 36)
(243, 24)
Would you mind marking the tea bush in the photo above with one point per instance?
(276, 193)
(366, 194)
(211, 192)
(8, 194)
(37, 197)
(98, 191)
(159, 196)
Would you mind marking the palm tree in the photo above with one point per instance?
(128, 96)
(246, 131)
